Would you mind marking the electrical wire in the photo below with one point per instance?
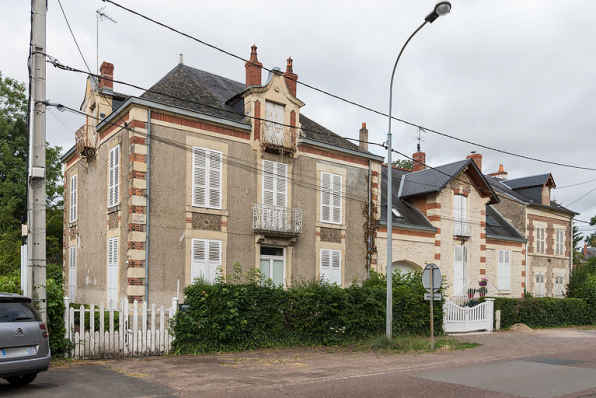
(344, 99)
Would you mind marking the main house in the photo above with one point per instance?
(201, 173)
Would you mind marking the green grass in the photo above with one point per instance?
(410, 344)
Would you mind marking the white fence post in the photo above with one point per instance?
(66, 314)
(490, 308)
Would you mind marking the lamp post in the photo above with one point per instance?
(441, 8)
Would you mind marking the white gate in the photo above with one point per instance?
(458, 319)
(132, 337)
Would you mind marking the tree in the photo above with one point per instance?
(13, 178)
(403, 163)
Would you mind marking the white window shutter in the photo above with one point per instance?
(214, 258)
(117, 175)
(199, 177)
(215, 177)
(199, 260)
(112, 278)
(336, 187)
(504, 269)
(73, 198)
(326, 197)
(268, 182)
(72, 273)
(111, 179)
(335, 276)
(281, 184)
(325, 264)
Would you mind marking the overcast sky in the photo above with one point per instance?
(515, 75)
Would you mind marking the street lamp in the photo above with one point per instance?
(441, 8)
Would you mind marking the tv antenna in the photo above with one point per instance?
(100, 17)
(420, 131)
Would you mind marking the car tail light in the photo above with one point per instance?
(44, 330)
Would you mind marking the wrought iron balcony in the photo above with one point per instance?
(462, 227)
(276, 219)
(278, 139)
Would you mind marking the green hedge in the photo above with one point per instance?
(543, 312)
(237, 316)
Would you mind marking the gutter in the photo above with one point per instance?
(148, 176)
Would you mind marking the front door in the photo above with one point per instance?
(273, 264)
(460, 271)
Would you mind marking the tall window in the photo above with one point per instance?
(114, 177)
(73, 198)
(540, 240)
(560, 242)
(460, 217)
(275, 183)
(112, 272)
(273, 264)
(539, 287)
(206, 258)
(206, 178)
(331, 186)
(274, 132)
(72, 273)
(504, 267)
(559, 285)
(331, 265)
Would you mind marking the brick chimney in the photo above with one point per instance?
(477, 158)
(419, 161)
(291, 77)
(363, 137)
(253, 69)
(106, 70)
(585, 251)
(501, 174)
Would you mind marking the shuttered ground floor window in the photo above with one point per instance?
(504, 269)
(206, 259)
(331, 265)
(539, 286)
(559, 285)
(112, 272)
(72, 274)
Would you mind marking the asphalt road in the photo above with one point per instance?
(543, 363)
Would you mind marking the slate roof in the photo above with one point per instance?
(208, 93)
(431, 180)
(526, 182)
(412, 217)
(501, 229)
(499, 186)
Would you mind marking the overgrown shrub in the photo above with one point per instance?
(228, 316)
(543, 312)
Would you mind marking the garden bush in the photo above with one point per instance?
(543, 312)
(227, 316)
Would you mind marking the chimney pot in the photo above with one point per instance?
(182, 58)
(106, 71)
(253, 68)
(363, 138)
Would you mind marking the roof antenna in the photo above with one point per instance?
(420, 130)
(100, 17)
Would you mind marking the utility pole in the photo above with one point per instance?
(36, 184)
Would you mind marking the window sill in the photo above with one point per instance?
(113, 209)
(72, 224)
(206, 210)
(330, 225)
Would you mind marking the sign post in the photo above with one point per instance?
(431, 280)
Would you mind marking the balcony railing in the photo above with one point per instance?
(462, 227)
(279, 139)
(277, 219)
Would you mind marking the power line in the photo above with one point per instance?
(581, 197)
(574, 185)
(344, 99)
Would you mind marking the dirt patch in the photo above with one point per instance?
(521, 328)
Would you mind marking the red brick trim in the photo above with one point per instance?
(141, 175)
(138, 140)
(491, 241)
(407, 232)
(137, 123)
(72, 160)
(137, 157)
(136, 245)
(136, 263)
(257, 122)
(199, 125)
(482, 247)
(135, 281)
(131, 299)
(437, 256)
(437, 243)
(523, 273)
(460, 192)
(483, 259)
(136, 209)
(119, 124)
(482, 271)
(332, 155)
(136, 227)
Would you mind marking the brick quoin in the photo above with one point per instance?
(141, 175)
(136, 263)
(135, 281)
(136, 209)
(437, 256)
(199, 125)
(523, 273)
(398, 231)
(482, 271)
(137, 157)
(437, 243)
(523, 284)
(337, 156)
(136, 227)
(137, 124)
(131, 299)
(482, 247)
(137, 192)
(136, 245)
(138, 140)
(483, 259)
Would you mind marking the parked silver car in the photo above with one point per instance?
(24, 344)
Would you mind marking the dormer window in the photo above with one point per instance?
(461, 223)
(274, 132)
(396, 213)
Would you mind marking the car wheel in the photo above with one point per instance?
(21, 380)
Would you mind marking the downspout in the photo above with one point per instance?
(368, 252)
(147, 207)
(571, 248)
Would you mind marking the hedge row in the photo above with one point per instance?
(543, 312)
(237, 316)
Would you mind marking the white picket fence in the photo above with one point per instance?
(141, 331)
(458, 319)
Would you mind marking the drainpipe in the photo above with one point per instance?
(571, 248)
(368, 254)
(147, 207)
